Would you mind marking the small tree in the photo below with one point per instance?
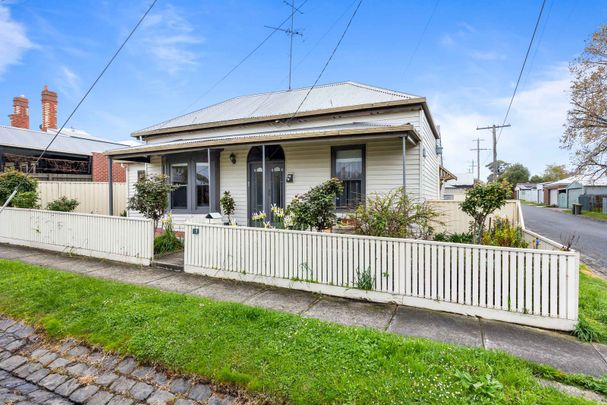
(514, 174)
(481, 201)
(63, 204)
(315, 209)
(228, 206)
(27, 195)
(151, 197)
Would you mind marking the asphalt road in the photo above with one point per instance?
(558, 226)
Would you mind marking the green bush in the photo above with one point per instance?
(167, 242)
(503, 233)
(27, 195)
(314, 209)
(63, 204)
(464, 237)
(394, 215)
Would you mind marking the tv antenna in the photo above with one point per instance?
(291, 32)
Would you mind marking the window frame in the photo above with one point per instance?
(363, 149)
(191, 159)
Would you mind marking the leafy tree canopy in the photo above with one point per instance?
(586, 127)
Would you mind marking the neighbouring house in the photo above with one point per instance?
(267, 148)
(456, 188)
(566, 192)
(74, 155)
(533, 192)
(584, 188)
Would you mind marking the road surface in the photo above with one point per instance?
(558, 226)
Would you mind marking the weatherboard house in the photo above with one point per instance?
(267, 148)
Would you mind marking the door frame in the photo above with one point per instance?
(269, 164)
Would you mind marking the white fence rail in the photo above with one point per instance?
(456, 221)
(526, 286)
(92, 196)
(114, 238)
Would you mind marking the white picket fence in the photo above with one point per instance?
(525, 286)
(128, 240)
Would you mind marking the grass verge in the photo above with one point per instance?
(592, 326)
(277, 356)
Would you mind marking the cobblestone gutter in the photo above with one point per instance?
(34, 370)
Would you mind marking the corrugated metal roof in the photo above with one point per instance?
(329, 96)
(355, 128)
(584, 180)
(37, 140)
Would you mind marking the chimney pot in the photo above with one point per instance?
(20, 118)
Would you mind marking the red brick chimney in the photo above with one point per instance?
(49, 109)
(20, 117)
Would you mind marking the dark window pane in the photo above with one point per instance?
(348, 167)
(179, 177)
(202, 184)
(349, 164)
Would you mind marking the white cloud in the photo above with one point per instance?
(486, 55)
(169, 38)
(13, 40)
(537, 117)
(69, 83)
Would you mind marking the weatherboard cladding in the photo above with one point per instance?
(325, 97)
(36, 140)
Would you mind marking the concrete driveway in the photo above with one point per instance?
(558, 226)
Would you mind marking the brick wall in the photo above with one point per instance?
(99, 169)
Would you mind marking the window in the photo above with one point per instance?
(202, 184)
(348, 165)
(191, 173)
(140, 175)
(179, 178)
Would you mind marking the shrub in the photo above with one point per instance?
(464, 237)
(503, 233)
(315, 209)
(151, 197)
(481, 201)
(27, 195)
(168, 241)
(63, 204)
(394, 215)
(228, 205)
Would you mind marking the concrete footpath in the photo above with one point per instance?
(556, 349)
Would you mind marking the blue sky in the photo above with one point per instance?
(466, 63)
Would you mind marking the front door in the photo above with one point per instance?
(275, 187)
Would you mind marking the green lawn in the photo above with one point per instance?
(593, 307)
(276, 356)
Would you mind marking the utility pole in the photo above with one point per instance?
(493, 129)
(478, 150)
(290, 32)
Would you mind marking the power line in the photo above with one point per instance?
(243, 60)
(537, 23)
(518, 80)
(421, 37)
(328, 60)
(478, 150)
(79, 103)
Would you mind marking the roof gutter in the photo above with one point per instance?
(267, 138)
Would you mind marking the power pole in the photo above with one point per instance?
(478, 150)
(493, 129)
(290, 32)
